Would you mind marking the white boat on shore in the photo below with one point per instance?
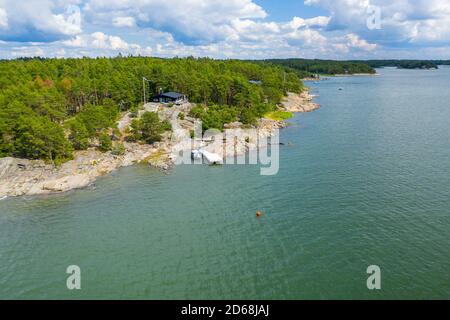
(209, 157)
(196, 155)
(212, 158)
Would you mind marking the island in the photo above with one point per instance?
(66, 122)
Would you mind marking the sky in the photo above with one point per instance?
(244, 29)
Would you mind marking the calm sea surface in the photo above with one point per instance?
(364, 180)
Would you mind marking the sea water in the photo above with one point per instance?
(364, 180)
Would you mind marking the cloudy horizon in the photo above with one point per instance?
(244, 29)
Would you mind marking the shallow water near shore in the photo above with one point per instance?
(364, 180)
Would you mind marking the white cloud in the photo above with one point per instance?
(61, 53)
(319, 21)
(3, 19)
(98, 40)
(26, 51)
(117, 43)
(307, 37)
(250, 30)
(99, 43)
(353, 41)
(219, 28)
(39, 20)
(402, 21)
(190, 21)
(124, 22)
(78, 41)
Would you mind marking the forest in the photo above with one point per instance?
(306, 68)
(407, 64)
(50, 107)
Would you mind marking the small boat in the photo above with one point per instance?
(211, 158)
(196, 155)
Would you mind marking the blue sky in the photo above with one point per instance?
(284, 10)
(334, 29)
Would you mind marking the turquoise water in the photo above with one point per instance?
(364, 180)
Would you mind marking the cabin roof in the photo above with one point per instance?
(172, 95)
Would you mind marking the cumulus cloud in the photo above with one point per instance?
(190, 21)
(223, 29)
(353, 41)
(306, 37)
(319, 21)
(103, 41)
(38, 20)
(28, 52)
(403, 22)
(99, 43)
(124, 22)
(3, 18)
(98, 40)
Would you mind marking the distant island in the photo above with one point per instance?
(311, 68)
(408, 64)
(306, 68)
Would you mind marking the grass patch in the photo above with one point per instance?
(278, 115)
(156, 156)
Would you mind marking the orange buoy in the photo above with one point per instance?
(258, 214)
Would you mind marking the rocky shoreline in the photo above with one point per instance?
(32, 177)
(300, 102)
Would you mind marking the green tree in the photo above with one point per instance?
(39, 138)
(79, 135)
(85, 96)
(105, 142)
(118, 149)
(149, 128)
